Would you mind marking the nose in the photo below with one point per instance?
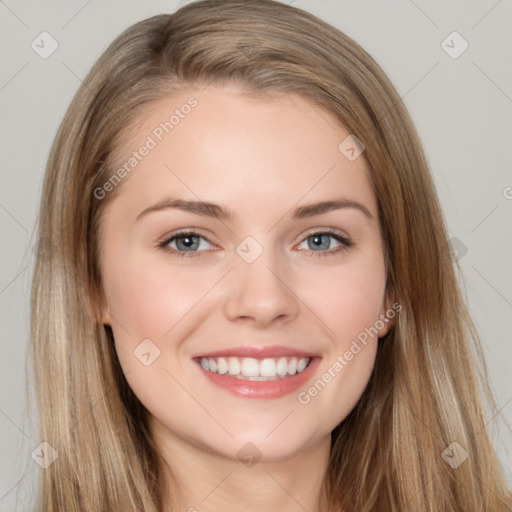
(260, 293)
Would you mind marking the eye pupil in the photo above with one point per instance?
(187, 241)
(318, 241)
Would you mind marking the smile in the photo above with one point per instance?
(249, 368)
(248, 377)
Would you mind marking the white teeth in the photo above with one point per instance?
(282, 367)
(255, 369)
(301, 365)
(250, 367)
(222, 366)
(268, 368)
(233, 365)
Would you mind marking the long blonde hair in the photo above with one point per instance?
(426, 389)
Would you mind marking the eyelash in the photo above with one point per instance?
(345, 242)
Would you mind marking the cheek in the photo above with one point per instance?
(348, 299)
(150, 298)
(147, 301)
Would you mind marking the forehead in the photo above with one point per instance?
(223, 144)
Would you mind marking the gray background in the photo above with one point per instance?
(461, 107)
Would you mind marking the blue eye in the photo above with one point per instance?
(185, 242)
(190, 243)
(319, 243)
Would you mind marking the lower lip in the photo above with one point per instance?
(261, 389)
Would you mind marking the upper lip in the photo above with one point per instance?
(258, 352)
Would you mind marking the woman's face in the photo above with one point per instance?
(246, 229)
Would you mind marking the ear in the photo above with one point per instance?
(387, 315)
(101, 309)
(383, 323)
(106, 319)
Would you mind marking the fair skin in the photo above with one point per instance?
(261, 159)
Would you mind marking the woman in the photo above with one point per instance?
(203, 354)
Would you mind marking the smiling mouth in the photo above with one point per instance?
(249, 368)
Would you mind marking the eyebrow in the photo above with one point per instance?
(216, 211)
